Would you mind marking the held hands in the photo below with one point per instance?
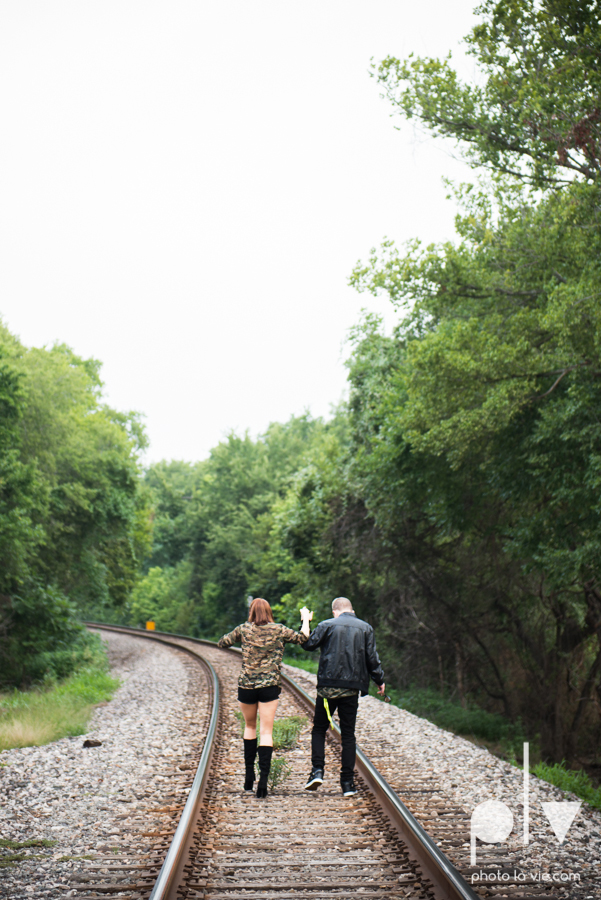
(306, 617)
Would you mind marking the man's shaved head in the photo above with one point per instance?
(341, 604)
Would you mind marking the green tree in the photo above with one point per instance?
(213, 527)
(242, 481)
(22, 497)
(481, 458)
(85, 453)
(535, 112)
(73, 523)
(162, 596)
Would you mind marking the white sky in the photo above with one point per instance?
(186, 186)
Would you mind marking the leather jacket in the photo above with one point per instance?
(348, 653)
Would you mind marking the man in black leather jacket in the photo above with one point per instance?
(348, 660)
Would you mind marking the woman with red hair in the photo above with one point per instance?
(263, 643)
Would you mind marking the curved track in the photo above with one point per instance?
(294, 844)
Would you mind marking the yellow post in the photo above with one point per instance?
(150, 626)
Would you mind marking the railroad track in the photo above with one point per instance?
(449, 825)
(295, 845)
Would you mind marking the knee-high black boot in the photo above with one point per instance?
(250, 751)
(264, 767)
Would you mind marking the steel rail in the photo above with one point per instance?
(171, 873)
(447, 882)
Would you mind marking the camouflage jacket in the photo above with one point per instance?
(262, 651)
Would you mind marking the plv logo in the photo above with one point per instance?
(492, 821)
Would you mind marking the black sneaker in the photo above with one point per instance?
(348, 788)
(315, 779)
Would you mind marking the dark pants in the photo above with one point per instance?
(347, 713)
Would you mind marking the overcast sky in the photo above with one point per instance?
(185, 188)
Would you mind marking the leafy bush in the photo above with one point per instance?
(286, 732)
(279, 772)
(162, 595)
(41, 638)
(576, 782)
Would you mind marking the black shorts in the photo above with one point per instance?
(259, 695)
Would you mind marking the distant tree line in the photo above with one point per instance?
(456, 497)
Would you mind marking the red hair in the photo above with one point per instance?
(260, 612)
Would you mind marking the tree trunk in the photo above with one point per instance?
(459, 670)
(440, 668)
(585, 698)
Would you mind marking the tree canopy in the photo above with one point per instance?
(534, 113)
(72, 522)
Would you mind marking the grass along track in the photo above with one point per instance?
(38, 716)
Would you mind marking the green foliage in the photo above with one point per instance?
(479, 455)
(73, 521)
(162, 595)
(213, 528)
(310, 663)
(576, 782)
(21, 491)
(243, 480)
(476, 423)
(89, 685)
(534, 112)
(42, 637)
(286, 732)
(171, 488)
(279, 771)
(86, 454)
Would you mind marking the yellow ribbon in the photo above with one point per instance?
(326, 706)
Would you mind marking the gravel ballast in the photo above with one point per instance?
(99, 801)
